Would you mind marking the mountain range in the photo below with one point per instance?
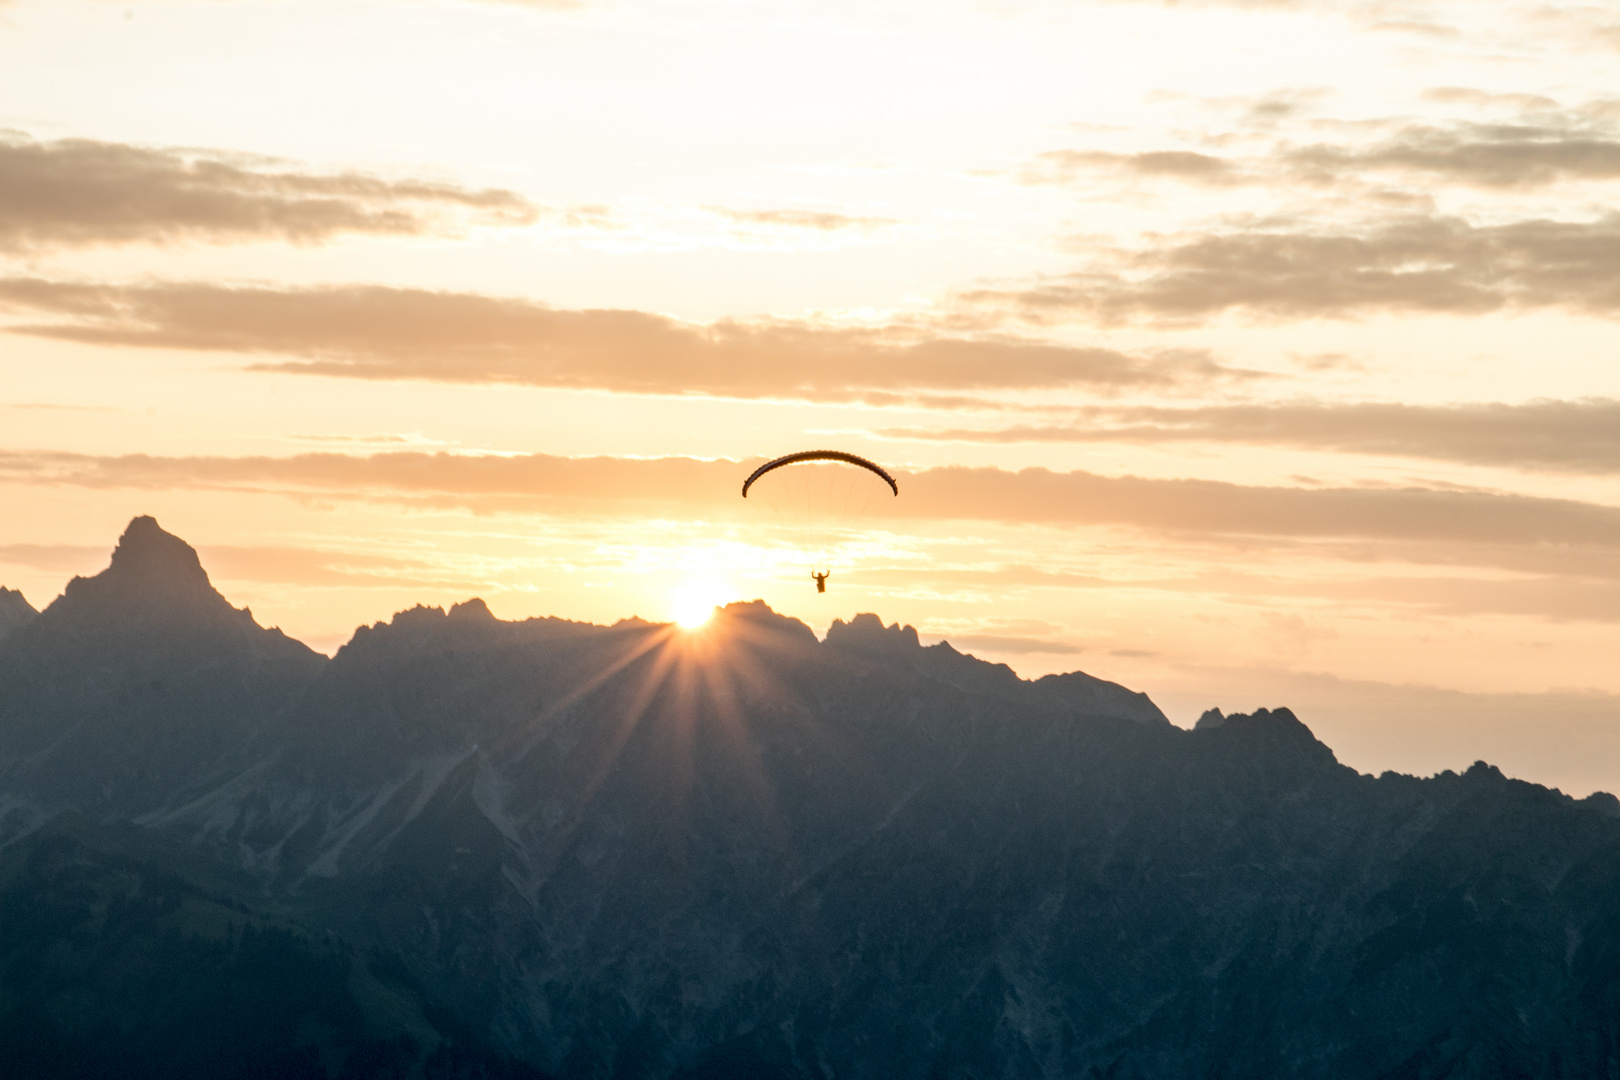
(467, 847)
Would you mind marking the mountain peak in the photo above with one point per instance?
(758, 614)
(1277, 730)
(15, 612)
(475, 610)
(136, 679)
(155, 584)
(148, 554)
(866, 632)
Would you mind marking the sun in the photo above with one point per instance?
(694, 602)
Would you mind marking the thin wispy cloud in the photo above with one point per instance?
(288, 565)
(1010, 644)
(1561, 436)
(1191, 166)
(1544, 145)
(1377, 16)
(1200, 510)
(819, 220)
(1421, 264)
(1562, 596)
(1322, 6)
(372, 332)
(314, 568)
(80, 193)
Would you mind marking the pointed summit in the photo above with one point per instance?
(147, 554)
(156, 581)
(155, 597)
(136, 679)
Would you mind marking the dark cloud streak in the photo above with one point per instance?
(1486, 156)
(1541, 149)
(1568, 436)
(372, 332)
(1418, 264)
(77, 192)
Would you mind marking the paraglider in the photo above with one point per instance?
(819, 455)
(819, 496)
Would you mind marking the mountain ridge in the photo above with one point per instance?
(638, 851)
(15, 612)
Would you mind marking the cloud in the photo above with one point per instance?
(1252, 5)
(820, 220)
(76, 192)
(1399, 16)
(1470, 95)
(1568, 436)
(1581, 26)
(1478, 155)
(1417, 264)
(1191, 509)
(1013, 646)
(283, 565)
(31, 406)
(537, 482)
(1567, 599)
(1545, 149)
(1552, 583)
(373, 332)
(1063, 166)
(1198, 508)
(71, 557)
(315, 568)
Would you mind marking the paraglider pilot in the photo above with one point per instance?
(820, 577)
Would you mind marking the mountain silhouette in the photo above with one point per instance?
(135, 683)
(15, 612)
(472, 847)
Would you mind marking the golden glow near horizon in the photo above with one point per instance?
(693, 601)
(1246, 355)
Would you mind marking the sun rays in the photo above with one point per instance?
(680, 710)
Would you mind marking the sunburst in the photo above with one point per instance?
(685, 683)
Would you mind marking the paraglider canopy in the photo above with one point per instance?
(818, 498)
(819, 455)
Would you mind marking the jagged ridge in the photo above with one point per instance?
(633, 851)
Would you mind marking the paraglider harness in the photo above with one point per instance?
(821, 579)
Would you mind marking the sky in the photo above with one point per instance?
(1246, 352)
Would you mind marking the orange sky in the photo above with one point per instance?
(1247, 354)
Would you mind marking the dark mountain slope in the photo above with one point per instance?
(115, 964)
(634, 851)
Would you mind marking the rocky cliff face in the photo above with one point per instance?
(635, 851)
